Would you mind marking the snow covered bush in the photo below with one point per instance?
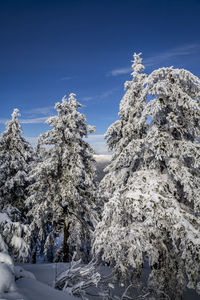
(62, 195)
(153, 185)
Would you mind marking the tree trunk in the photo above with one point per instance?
(66, 255)
(34, 256)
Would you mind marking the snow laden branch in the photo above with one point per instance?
(151, 190)
(76, 280)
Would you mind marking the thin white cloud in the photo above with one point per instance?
(108, 93)
(40, 110)
(103, 95)
(119, 71)
(87, 98)
(100, 147)
(27, 121)
(3, 121)
(33, 121)
(98, 143)
(175, 52)
(102, 158)
(160, 57)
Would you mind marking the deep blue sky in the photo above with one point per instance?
(51, 48)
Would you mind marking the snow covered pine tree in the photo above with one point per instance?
(62, 195)
(125, 135)
(155, 207)
(16, 156)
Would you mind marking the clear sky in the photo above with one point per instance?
(52, 48)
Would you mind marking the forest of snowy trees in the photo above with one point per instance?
(145, 210)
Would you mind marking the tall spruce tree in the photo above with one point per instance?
(16, 156)
(155, 214)
(62, 196)
(125, 135)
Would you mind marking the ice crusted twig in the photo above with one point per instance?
(77, 279)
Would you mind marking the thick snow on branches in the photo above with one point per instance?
(125, 136)
(148, 209)
(153, 183)
(13, 238)
(15, 157)
(63, 191)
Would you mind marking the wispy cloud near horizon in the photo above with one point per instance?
(27, 121)
(119, 71)
(4, 121)
(98, 143)
(34, 116)
(175, 52)
(34, 121)
(87, 98)
(40, 110)
(108, 93)
(160, 57)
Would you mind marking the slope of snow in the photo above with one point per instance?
(45, 274)
(7, 278)
(28, 288)
(31, 289)
(41, 288)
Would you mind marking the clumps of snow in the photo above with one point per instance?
(7, 277)
(76, 280)
(4, 218)
(8, 274)
(21, 273)
(101, 163)
(5, 258)
(13, 238)
(3, 246)
(20, 245)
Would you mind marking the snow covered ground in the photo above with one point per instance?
(31, 289)
(41, 287)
